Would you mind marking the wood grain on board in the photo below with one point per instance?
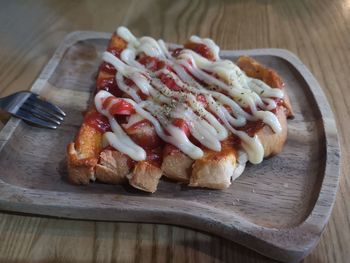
(277, 208)
(318, 32)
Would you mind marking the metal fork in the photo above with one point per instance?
(27, 106)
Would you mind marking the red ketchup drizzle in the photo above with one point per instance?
(108, 68)
(201, 49)
(129, 82)
(110, 85)
(122, 107)
(182, 124)
(156, 151)
(155, 156)
(118, 106)
(252, 127)
(235, 140)
(151, 63)
(279, 102)
(138, 132)
(176, 52)
(131, 162)
(201, 98)
(169, 82)
(107, 101)
(247, 110)
(115, 51)
(97, 121)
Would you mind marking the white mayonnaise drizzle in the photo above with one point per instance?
(226, 98)
(118, 138)
(177, 136)
(209, 43)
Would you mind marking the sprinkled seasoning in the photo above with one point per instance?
(220, 82)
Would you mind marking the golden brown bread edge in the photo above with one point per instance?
(86, 161)
(179, 167)
(200, 173)
(83, 154)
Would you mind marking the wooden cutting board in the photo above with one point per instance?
(277, 208)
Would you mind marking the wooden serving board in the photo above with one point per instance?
(277, 208)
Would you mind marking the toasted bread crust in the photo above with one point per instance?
(83, 154)
(80, 170)
(214, 170)
(117, 43)
(176, 165)
(88, 142)
(273, 142)
(112, 168)
(145, 176)
(86, 160)
(256, 70)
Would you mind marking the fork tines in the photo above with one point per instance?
(40, 112)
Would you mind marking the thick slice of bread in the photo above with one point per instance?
(273, 142)
(254, 69)
(80, 170)
(176, 165)
(83, 154)
(113, 167)
(87, 160)
(145, 176)
(214, 170)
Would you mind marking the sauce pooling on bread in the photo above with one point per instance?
(214, 97)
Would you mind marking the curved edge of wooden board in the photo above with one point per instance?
(283, 244)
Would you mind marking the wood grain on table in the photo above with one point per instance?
(317, 31)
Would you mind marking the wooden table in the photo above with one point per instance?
(317, 31)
